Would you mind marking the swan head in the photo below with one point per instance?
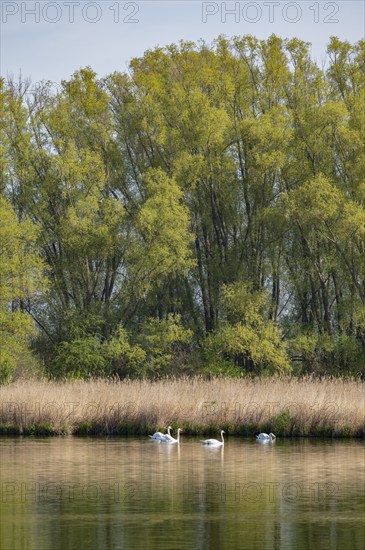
(273, 436)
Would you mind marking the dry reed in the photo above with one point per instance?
(286, 406)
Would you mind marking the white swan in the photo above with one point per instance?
(158, 436)
(214, 442)
(169, 439)
(266, 437)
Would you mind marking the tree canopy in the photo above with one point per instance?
(204, 212)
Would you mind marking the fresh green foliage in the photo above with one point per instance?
(81, 358)
(20, 280)
(126, 359)
(164, 341)
(204, 212)
(247, 338)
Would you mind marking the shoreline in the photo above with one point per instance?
(288, 407)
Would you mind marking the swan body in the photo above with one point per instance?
(159, 436)
(169, 439)
(214, 442)
(266, 437)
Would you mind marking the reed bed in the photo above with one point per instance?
(286, 406)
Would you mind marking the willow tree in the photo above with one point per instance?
(202, 169)
(103, 254)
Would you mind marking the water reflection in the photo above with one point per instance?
(69, 493)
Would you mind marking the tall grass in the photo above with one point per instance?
(286, 406)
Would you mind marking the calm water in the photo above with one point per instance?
(75, 494)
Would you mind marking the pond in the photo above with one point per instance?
(132, 493)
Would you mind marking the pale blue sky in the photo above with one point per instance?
(51, 39)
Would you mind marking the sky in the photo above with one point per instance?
(49, 40)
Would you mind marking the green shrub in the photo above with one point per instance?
(80, 358)
(282, 423)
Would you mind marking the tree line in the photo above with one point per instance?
(203, 212)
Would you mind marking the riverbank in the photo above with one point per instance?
(288, 407)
